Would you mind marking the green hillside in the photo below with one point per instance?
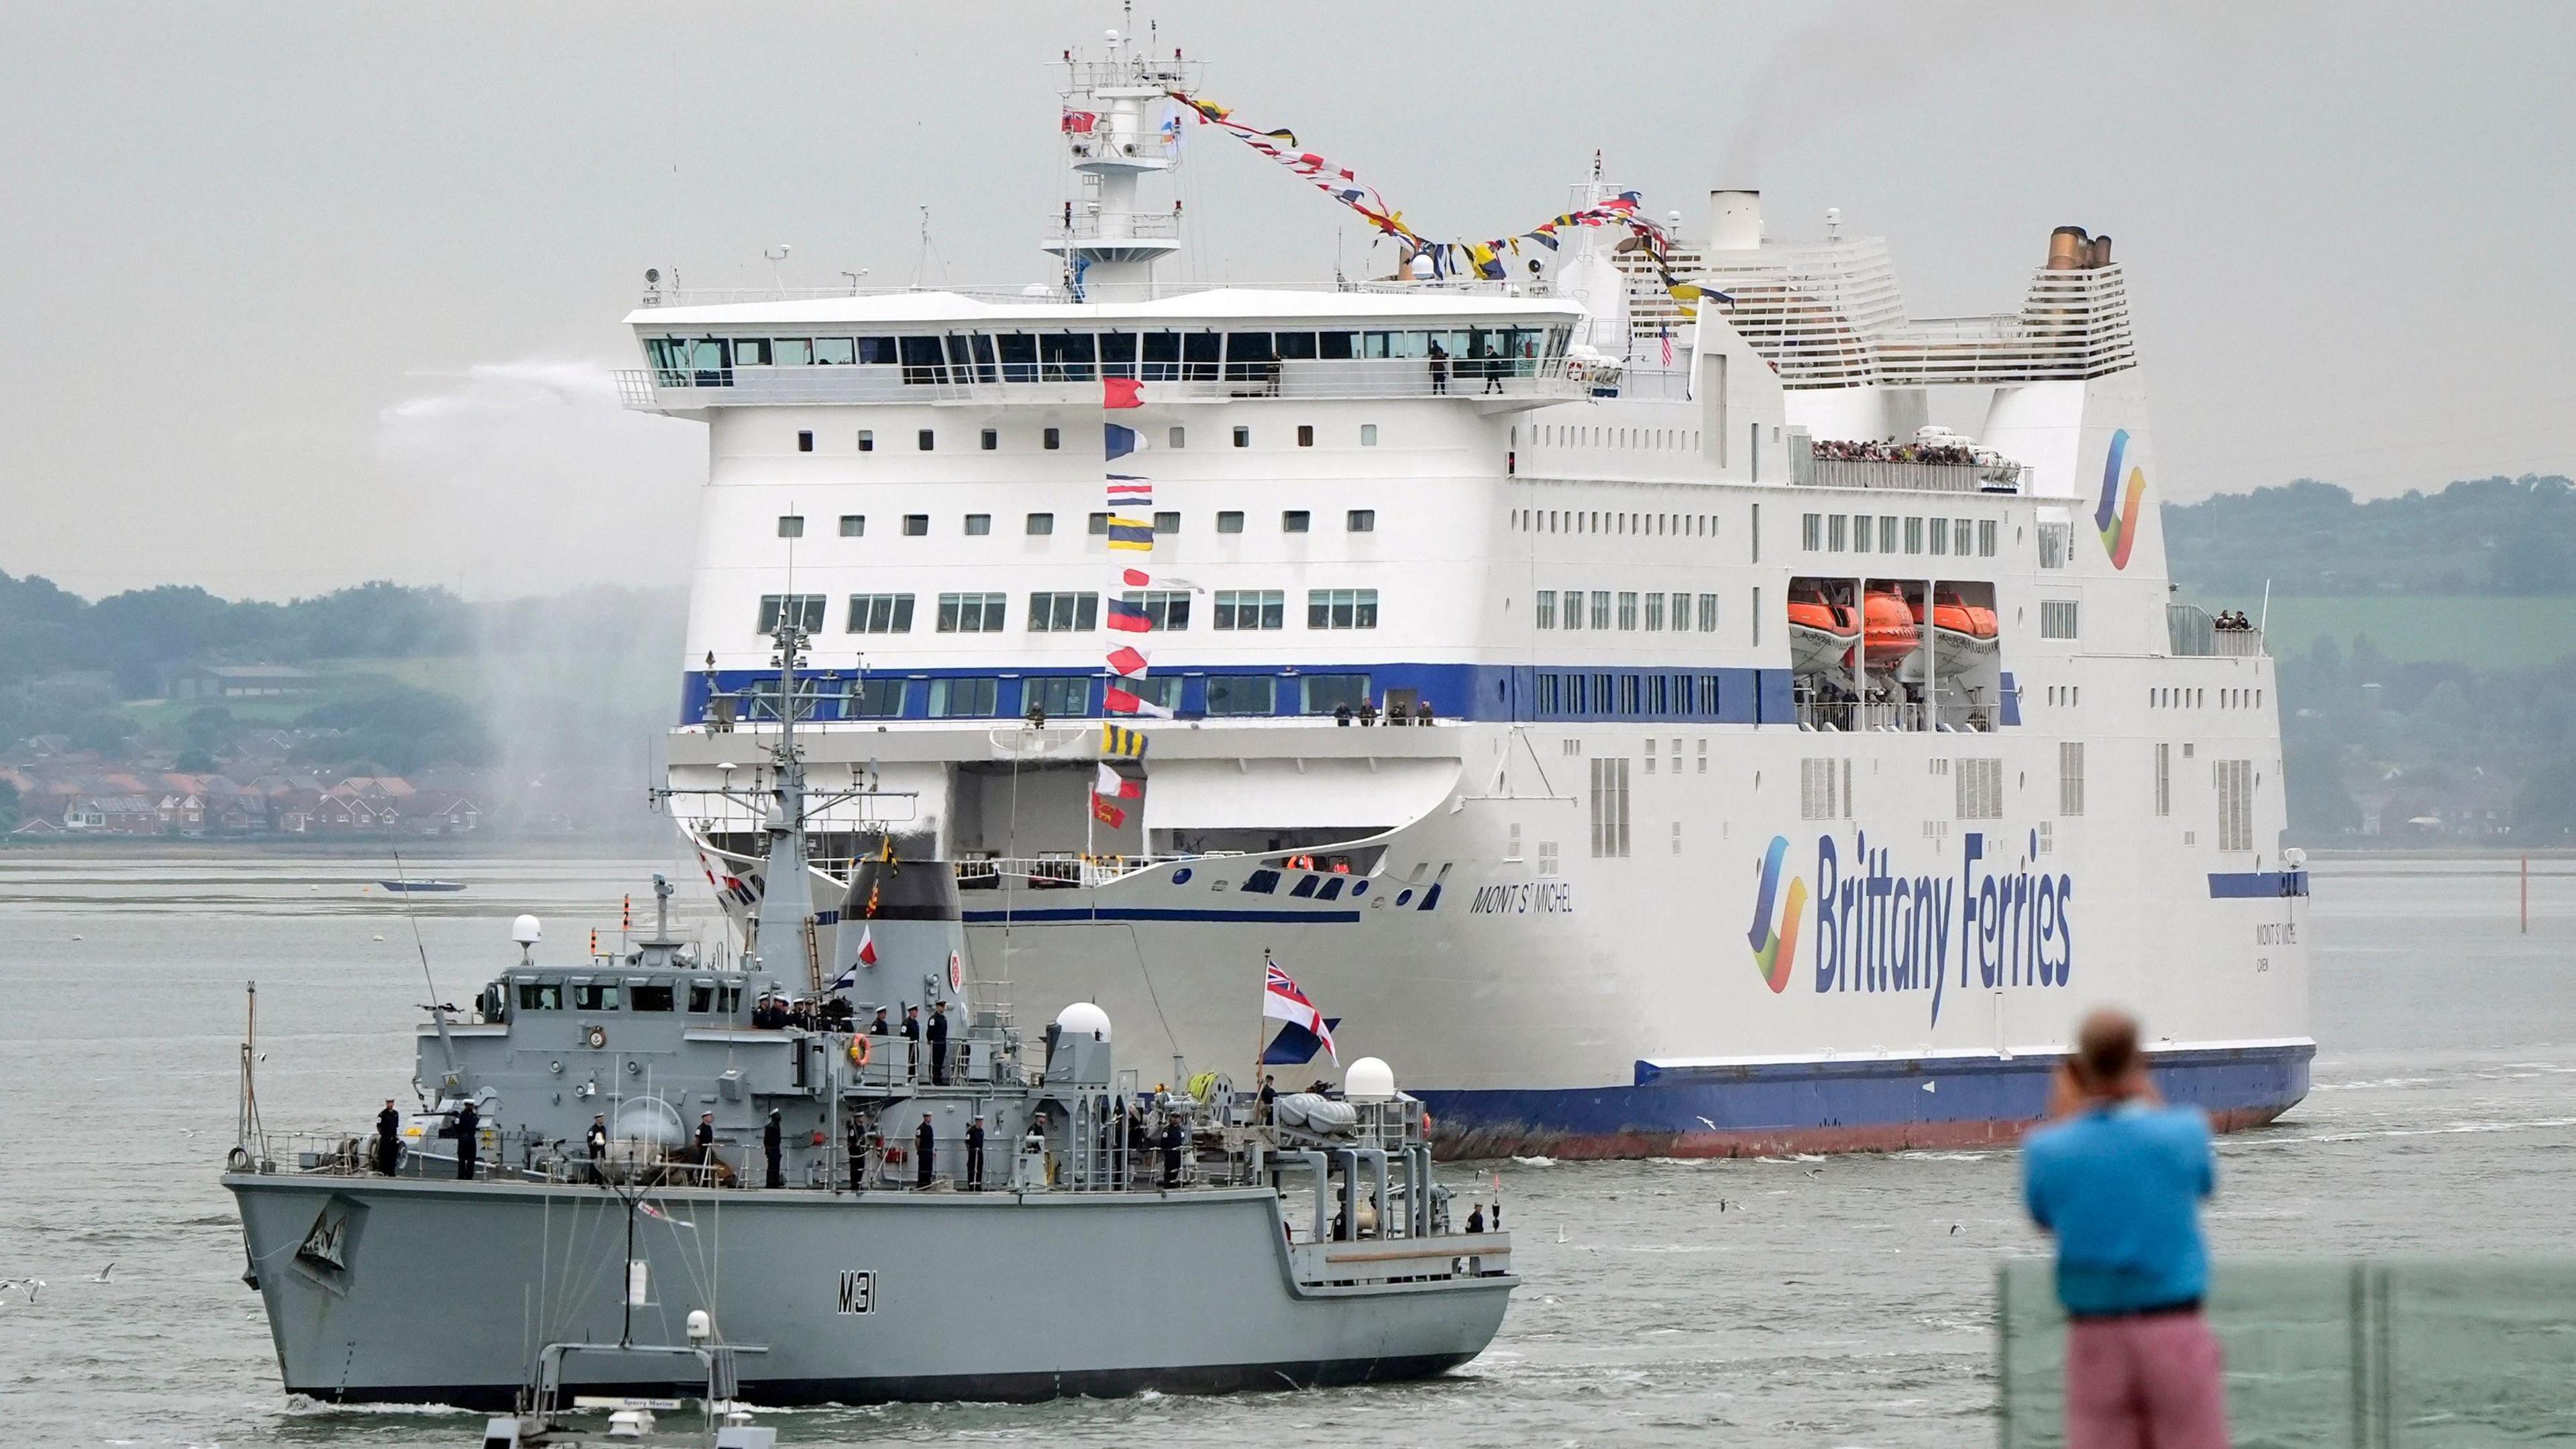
(2487, 631)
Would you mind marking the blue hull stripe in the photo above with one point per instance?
(1152, 913)
(2252, 884)
(1838, 1105)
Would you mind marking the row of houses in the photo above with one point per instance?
(65, 801)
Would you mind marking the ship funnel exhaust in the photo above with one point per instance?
(1734, 221)
(2068, 249)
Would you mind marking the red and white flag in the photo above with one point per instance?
(1282, 1001)
(1120, 701)
(868, 946)
(1115, 786)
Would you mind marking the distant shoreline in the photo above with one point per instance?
(414, 849)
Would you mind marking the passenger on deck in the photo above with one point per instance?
(1368, 712)
(1476, 1218)
(1342, 716)
(1439, 368)
(1135, 1144)
(1490, 364)
(1422, 711)
(1172, 1150)
(924, 1142)
(975, 1155)
(388, 1139)
(1269, 1094)
(769, 1144)
(938, 1043)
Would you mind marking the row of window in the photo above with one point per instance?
(940, 358)
(1552, 435)
(1066, 612)
(1594, 520)
(1041, 525)
(989, 440)
(1633, 696)
(1622, 610)
(706, 998)
(2175, 698)
(1825, 789)
(1887, 533)
(832, 697)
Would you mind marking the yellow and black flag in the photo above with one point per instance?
(1120, 743)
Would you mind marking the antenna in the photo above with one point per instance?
(776, 255)
(417, 944)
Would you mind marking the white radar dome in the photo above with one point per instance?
(1083, 1019)
(526, 931)
(1369, 1080)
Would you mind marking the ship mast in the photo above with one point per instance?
(1115, 136)
(786, 919)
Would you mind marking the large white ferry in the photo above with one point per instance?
(1631, 714)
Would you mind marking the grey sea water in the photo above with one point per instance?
(1806, 1302)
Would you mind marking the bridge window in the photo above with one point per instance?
(594, 996)
(880, 613)
(1233, 694)
(835, 351)
(963, 698)
(1325, 693)
(1060, 696)
(649, 996)
(541, 996)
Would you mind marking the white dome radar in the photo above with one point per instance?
(1082, 1019)
(527, 931)
(1369, 1080)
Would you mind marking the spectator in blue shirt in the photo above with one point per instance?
(2117, 1177)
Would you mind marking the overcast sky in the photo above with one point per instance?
(314, 294)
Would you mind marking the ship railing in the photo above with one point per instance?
(1068, 872)
(1093, 226)
(1982, 473)
(1509, 379)
(1368, 1261)
(2382, 1354)
(499, 1156)
(1850, 716)
(2194, 632)
(1020, 294)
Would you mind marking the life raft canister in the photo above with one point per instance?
(858, 1051)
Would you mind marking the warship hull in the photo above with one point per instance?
(412, 1291)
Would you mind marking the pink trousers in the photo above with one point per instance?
(2157, 1382)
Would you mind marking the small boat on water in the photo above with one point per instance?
(416, 886)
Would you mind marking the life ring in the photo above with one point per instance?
(1576, 370)
(956, 972)
(859, 1051)
(597, 1036)
(237, 1160)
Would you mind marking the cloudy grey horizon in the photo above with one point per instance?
(314, 294)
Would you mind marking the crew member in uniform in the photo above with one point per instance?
(938, 1035)
(923, 1141)
(912, 1042)
(858, 1145)
(975, 1155)
(467, 1129)
(880, 1027)
(707, 1141)
(388, 1138)
(597, 1138)
(1269, 1094)
(769, 1148)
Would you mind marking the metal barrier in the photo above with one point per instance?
(653, 389)
(2371, 1355)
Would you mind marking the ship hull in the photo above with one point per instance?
(1551, 988)
(438, 1292)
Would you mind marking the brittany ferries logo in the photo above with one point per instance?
(2117, 514)
(1877, 931)
(1774, 952)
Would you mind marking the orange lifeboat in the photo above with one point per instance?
(1821, 634)
(1964, 633)
(1893, 632)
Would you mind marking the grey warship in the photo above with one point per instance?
(610, 1175)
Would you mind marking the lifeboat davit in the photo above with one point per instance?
(1964, 634)
(1821, 634)
(1893, 632)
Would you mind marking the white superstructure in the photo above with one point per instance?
(1667, 612)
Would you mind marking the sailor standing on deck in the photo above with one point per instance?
(1172, 1150)
(912, 1036)
(975, 1155)
(769, 1148)
(938, 1043)
(924, 1141)
(467, 1129)
(597, 1140)
(388, 1138)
